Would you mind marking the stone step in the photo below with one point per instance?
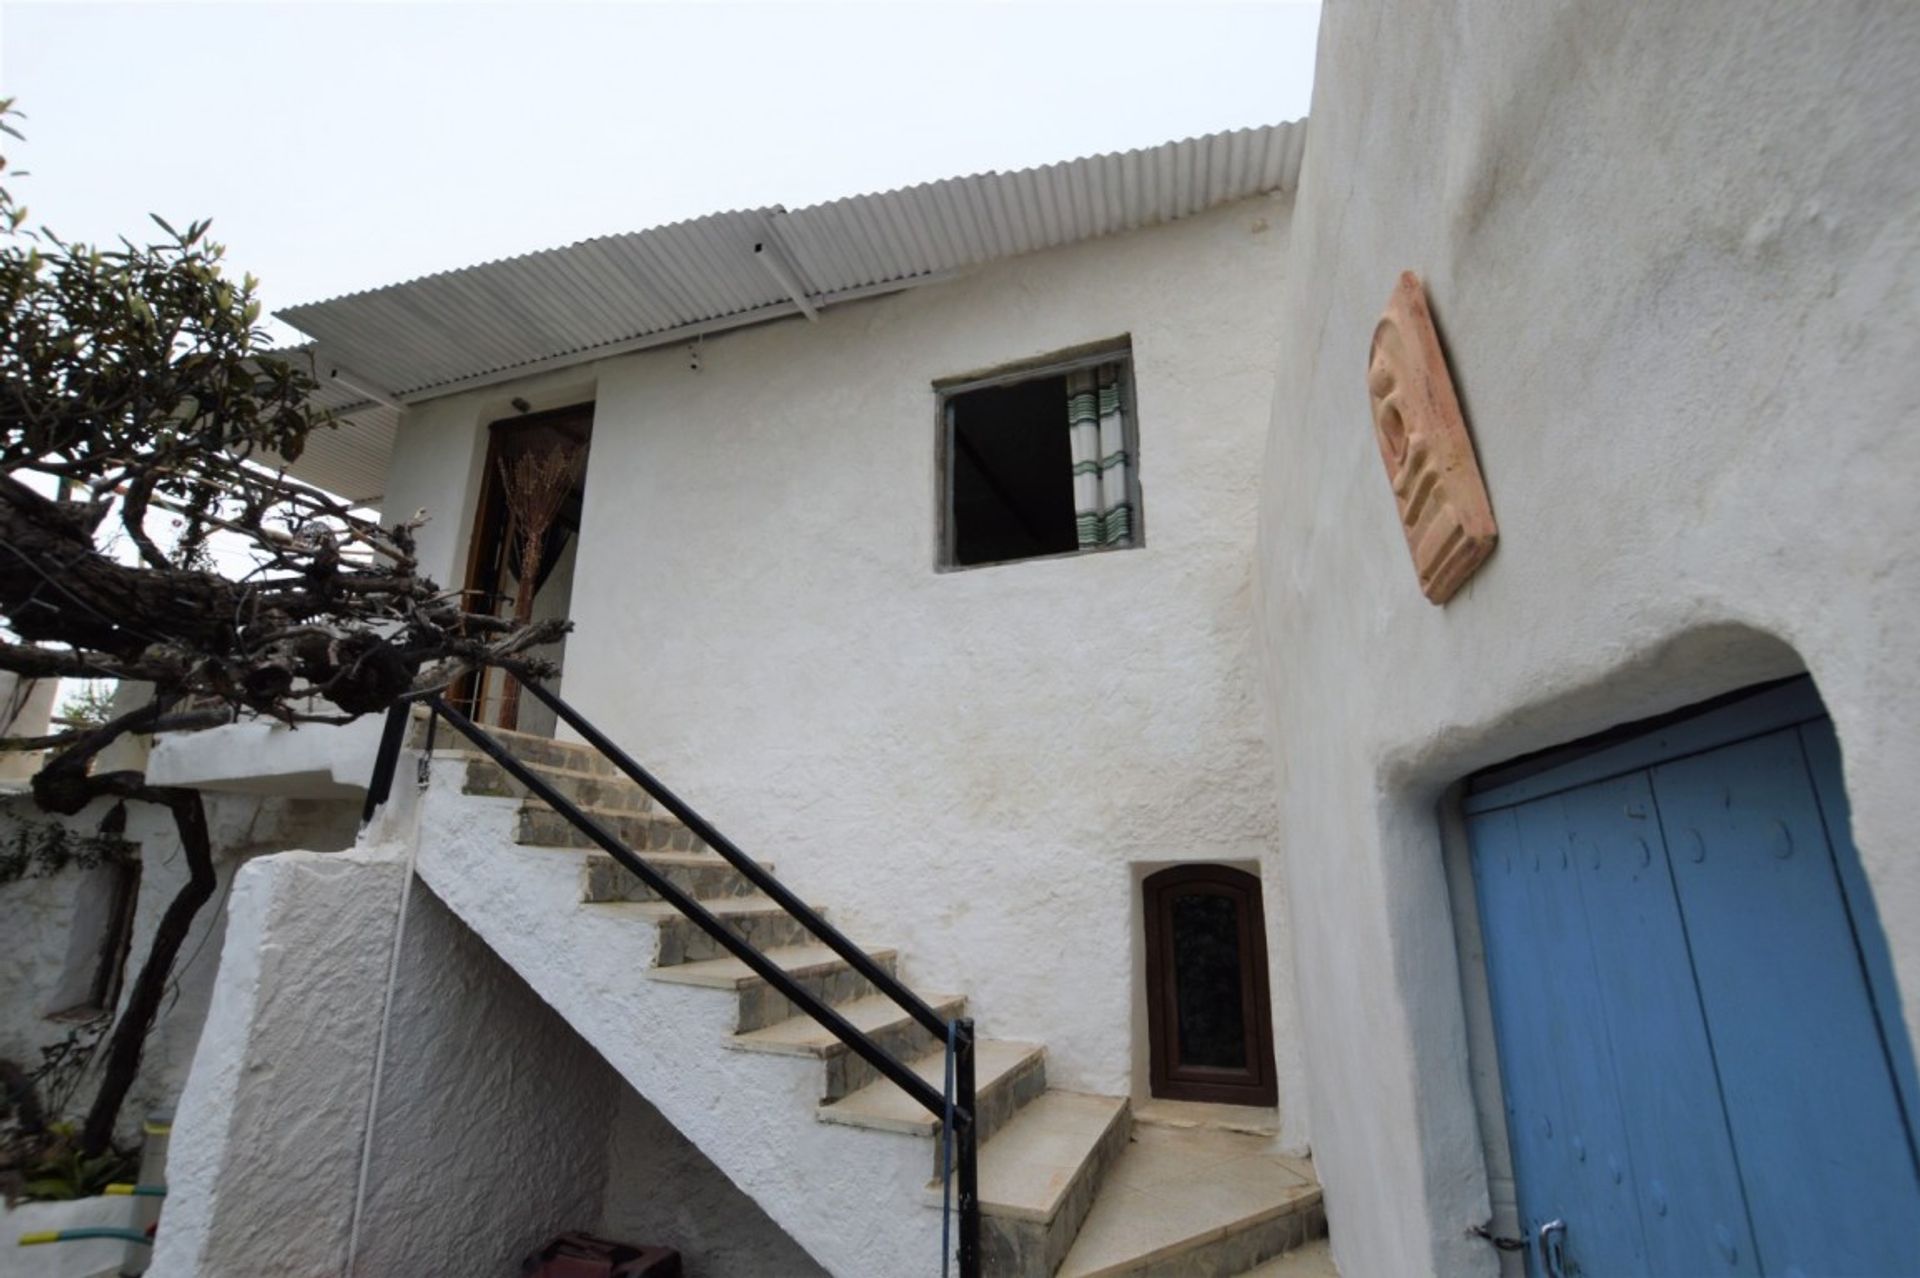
(1005, 1077)
(704, 875)
(1314, 1260)
(815, 968)
(541, 827)
(758, 920)
(878, 1016)
(589, 789)
(1196, 1201)
(572, 756)
(1039, 1176)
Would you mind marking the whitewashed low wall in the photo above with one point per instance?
(497, 1123)
(492, 1126)
(266, 1143)
(87, 1259)
(316, 760)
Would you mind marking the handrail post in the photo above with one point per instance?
(965, 1101)
(380, 784)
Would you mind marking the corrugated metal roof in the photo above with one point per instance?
(508, 318)
(350, 458)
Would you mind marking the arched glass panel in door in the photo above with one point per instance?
(1209, 1017)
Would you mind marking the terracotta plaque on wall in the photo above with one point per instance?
(1423, 439)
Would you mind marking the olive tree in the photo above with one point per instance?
(143, 422)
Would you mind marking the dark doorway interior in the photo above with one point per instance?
(1209, 1017)
(1012, 472)
(492, 557)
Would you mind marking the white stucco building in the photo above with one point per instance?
(1009, 562)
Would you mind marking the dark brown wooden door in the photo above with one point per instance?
(1209, 1018)
(490, 545)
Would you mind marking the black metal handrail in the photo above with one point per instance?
(959, 1032)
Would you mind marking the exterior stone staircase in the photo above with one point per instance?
(841, 1158)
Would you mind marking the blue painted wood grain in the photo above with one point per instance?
(1823, 763)
(1518, 987)
(1817, 1124)
(1571, 1037)
(1701, 1049)
(1682, 1179)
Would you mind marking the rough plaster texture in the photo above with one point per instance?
(243, 827)
(266, 1144)
(852, 1198)
(45, 961)
(1674, 253)
(964, 764)
(493, 1118)
(492, 1134)
(497, 1127)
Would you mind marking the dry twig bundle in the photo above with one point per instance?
(536, 486)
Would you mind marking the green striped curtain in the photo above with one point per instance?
(1096, 427)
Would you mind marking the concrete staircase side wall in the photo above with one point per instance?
(849, 1197)
(266, 1143)
(492, 1132)
(493, 1114)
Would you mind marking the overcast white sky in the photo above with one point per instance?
(344, 146)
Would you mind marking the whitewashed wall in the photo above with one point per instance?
(38, 972)
(36, 917)
(25, 711)
(91, 1258)
(962, 764)
(1674, 251)
(492, 1128)
(497, 1128)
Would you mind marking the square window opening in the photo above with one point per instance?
(1039, 463)
(107, 896)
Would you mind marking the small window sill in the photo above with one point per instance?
(1041, 559)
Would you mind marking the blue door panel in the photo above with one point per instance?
(1823, 762)
(1704, 1063)
(1679, 1165)
(1816, 1121)
(1589, 1142)
(1518, 988)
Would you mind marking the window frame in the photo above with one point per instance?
(1118, 350)
(1256, 1084)
(99, 962)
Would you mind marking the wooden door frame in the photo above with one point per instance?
(486, 537)
(1168, 1078)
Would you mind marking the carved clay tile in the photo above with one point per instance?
(1423, 440)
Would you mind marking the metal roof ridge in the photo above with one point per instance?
(286, 314)
(1050, 166)
(504, 259)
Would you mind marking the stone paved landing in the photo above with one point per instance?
(1196, 1202)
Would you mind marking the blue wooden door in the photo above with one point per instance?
(1703, 1060)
